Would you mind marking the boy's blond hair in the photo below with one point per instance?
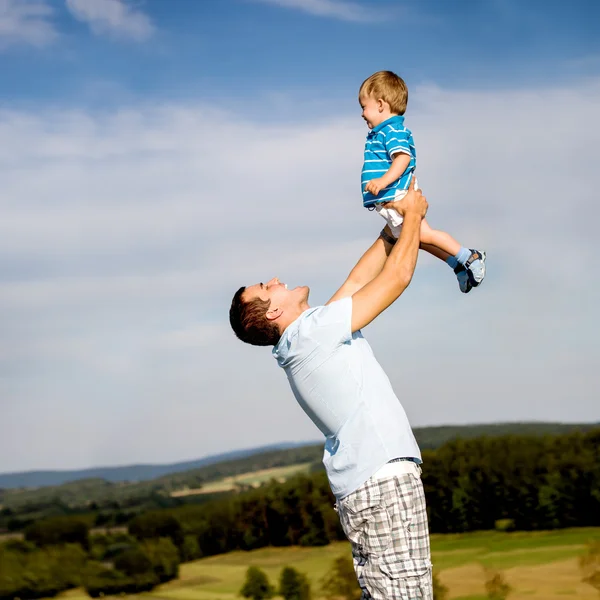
(388, 87)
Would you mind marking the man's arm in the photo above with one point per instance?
(367, 268)
(372, 299)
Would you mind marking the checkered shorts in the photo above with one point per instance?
(386, 522)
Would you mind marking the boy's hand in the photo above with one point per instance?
(375, 186)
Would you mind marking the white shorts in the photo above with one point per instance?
(393, 218)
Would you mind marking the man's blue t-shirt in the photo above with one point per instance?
(383, 141)
(340, 385)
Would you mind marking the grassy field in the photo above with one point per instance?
(253, 479)
(538, 565)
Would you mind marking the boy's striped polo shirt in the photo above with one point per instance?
(383, 141)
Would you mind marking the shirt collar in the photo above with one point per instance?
(281, 349)
(396, 120)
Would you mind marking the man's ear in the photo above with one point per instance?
(274, 313)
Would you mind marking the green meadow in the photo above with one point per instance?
(538, 565)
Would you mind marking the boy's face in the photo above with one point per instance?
(373, 111)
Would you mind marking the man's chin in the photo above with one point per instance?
(304, 290)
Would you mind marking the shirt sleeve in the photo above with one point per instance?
(396, 141)
(331, 325)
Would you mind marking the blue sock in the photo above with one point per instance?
(452, 262)
(463, 256)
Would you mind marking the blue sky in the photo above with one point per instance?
(247, 48)
(156, 155)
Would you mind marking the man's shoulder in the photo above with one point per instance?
(320, 318)
(327, 312)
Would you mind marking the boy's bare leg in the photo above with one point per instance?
(440, 239)
(435, 251)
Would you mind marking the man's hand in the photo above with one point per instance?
(413, 202)
(375, 186)
(372, 299)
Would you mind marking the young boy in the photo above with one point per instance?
(389, 165)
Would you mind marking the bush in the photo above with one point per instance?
(293, 585)
(100, 581)
(256, 585)
(504, 525)
(341, 581)
(496, 585)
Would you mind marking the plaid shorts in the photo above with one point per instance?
(386, 522)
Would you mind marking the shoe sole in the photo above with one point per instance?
(461, 269)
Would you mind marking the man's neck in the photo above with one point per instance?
(287, 320)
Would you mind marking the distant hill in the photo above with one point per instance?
(428, 438)
(35, 479)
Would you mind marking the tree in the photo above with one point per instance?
(293, 585)
(157, 524)
(341, 580)
(257, 585)
(58, 530)
(496, 585)
(164, 557)
(191, 548)
(133, 562)
(39, 573)
(589, 563)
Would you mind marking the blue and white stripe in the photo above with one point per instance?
(383, 141)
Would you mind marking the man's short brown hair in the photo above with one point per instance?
(388, 87)
(249, 321)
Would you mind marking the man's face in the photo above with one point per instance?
(278, 294)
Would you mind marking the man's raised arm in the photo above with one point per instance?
(372, 299)
(368, 267)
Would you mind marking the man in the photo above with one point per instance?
(371, 456)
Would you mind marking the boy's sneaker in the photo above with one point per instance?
(464, 283)
(472, 273)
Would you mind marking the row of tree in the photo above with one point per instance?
(109, 567)
(523, 483)
(520, 482)
(532, 482)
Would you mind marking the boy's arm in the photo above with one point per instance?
(400, 162)
(368, 267)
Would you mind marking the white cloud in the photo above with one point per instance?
(335, 9)
(26, 22)
(123, 236)
(115, 17)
